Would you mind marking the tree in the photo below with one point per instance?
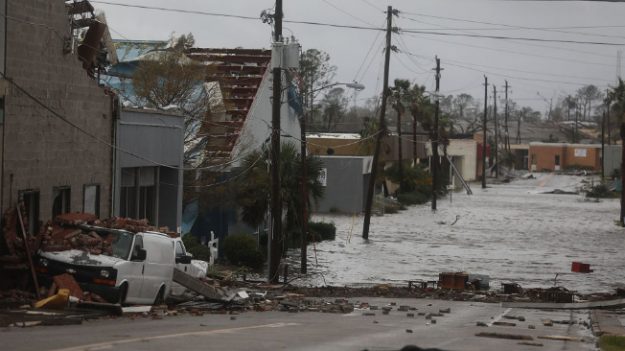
(316, 72)
(587, 94)
(464, 114)
(569, 103)
(617, 96)
(253, 186)
(399, 98)
(333, 108)
(170, 80)
(421, 112)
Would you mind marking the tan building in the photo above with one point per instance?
(350, 144)
(560, 156)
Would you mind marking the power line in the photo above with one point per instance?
(514, 77)
(348, 14)
(506, 68)
(510, 51)
(225, 15)
(551, 47)
(501, 37)
(510, 26)
(373, 6)
(375, 40)
(373, 57)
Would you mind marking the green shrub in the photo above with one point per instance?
(612, 343)
(241, 250)
(320, 231)
(413, 198)
(194, 247)
(600, 191)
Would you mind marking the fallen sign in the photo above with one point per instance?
(198, 286)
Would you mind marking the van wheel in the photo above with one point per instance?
(160, 297)
(123, 291)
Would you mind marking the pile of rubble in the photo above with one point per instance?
(67, 232)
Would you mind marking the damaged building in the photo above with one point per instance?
(56, 126)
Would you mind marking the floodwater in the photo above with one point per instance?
(511, 232)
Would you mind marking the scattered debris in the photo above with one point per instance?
(453, 280)
(512, 288)
(561, 192)
(527, 343)
(504, 336)
(55, 302)
(580, 267)
(559, 337)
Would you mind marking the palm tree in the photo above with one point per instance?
(399, 94)
(617, 96)
(417, 107)
(253, 193)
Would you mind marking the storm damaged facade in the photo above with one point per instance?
(56, 126)
(240, 117)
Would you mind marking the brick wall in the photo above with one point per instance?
(41, 151)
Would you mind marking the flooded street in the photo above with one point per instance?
(511, 232)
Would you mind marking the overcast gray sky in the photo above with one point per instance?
(553, 69)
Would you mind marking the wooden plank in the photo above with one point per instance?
(28, 253)
(198, 286)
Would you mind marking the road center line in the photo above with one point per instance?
(111, 344)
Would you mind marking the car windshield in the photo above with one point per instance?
(121, 243)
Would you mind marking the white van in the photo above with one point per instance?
(139, 271)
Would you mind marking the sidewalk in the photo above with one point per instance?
(608, 322)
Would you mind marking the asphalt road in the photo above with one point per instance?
(314, 331)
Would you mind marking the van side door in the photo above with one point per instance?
(159, 268)
(136, 268)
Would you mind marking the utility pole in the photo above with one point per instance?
(518, 129)
(577, 111)
(622, 133)
(608, 119)
(434, 163)
(484, 128)
(603, 147)
(400, 154)
(507, 138)
(381, 127)
(304, 165)
(414, 140)
(495, 157)
(275, 237)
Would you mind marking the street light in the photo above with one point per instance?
(304, 242)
